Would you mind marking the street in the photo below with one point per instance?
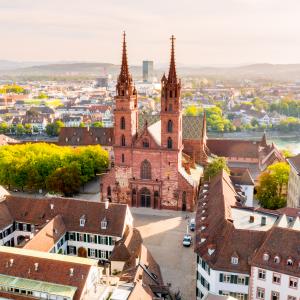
(162, 232)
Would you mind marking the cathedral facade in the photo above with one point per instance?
(150, 168)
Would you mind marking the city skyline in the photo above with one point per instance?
(214, 33)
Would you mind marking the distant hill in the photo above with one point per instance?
(282, 72)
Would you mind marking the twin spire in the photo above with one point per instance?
(125, 77)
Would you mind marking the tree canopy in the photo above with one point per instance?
(271, 191)
(47, 166)
(215, 167)
(53, 129)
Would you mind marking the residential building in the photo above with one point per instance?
(239, 248)
(59, 248)
(293, 199)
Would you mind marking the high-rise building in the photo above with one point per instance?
(148, 71)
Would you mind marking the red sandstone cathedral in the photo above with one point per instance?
(150, 168)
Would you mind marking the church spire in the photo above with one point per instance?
(124, 74)
(124, 85)
(172, 78)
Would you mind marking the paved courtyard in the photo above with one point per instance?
(162, 232)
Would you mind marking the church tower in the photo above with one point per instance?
(171, 111)
(126, 111)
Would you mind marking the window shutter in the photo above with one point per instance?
(89, 252)
(67, 236)
(106, 240)
(232, 279)
(77, 235)
(247, 281)
(28, 227)
(221, 277)
(68, 250)
(235, 278)
(84, 238)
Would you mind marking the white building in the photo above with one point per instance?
(232, 242)
(294, 182)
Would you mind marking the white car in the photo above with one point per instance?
(187, 240)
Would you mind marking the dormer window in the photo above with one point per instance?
(277, 259)
(266, 257)
(289, 262)
(82, 221)
(234, 260)
(104, 224)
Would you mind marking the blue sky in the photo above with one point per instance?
(210, 32)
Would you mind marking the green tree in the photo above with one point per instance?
(81, 124)
(65, 180)
(191, 111)
(271, 191)
(215, 167)
(28, 129)
(42, 96)
(20, 129)
(286, 153)
(4, 128)
(53, 129)
(97, 124)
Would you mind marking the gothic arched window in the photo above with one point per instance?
(170, 107)
(170, 126)
(123, 157)
(122, 123)
(170, 143)
(123, 142)
(146, 170)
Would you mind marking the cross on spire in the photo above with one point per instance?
(172, 70)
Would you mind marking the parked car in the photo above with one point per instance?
(192, 225)
(187, 240)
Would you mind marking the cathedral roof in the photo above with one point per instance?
(191, 126)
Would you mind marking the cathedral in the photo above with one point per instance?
(150, 168)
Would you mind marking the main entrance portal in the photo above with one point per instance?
(145, 197)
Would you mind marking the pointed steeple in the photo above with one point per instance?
(124, 85)
(172, 78)
(124, 74)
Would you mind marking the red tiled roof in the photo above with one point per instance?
(49, 270)
(38, 211)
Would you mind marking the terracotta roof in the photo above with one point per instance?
(5, 216)
(46, 238)
(220, 231)
(234, 148)
(295, 162)
(23, 267)
(285, 243)
(81, 136)
(38, 211)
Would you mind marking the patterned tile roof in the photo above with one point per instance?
(191, 126)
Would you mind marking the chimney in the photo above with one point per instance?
(52, 206)
(36, 266)
(71, 271)
(251, 219)
(11, 262)
(106, 204)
